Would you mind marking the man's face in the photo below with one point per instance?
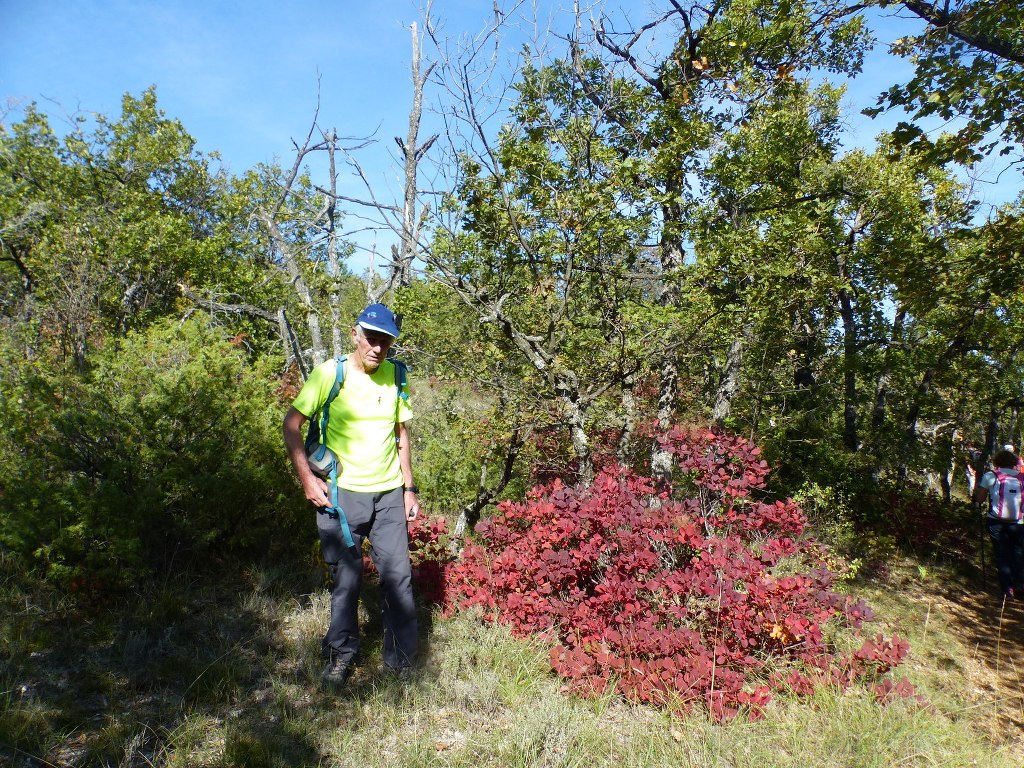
(371, 347)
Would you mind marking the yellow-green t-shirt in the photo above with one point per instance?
(361, 428)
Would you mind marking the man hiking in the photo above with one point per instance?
(374, 495)
(1005, 521)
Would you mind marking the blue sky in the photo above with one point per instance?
(243, 77)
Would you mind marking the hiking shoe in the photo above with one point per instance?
(336, 672)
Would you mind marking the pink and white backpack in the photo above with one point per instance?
(1005, 496)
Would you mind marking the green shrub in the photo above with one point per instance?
(165, 452)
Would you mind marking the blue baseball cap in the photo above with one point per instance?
(377, 317)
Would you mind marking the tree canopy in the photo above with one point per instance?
(654, 221)
(968, 64)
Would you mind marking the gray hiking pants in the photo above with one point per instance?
(381, 518)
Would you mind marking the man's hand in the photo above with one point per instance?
(412, 506)
(314, 487)
(316, 491)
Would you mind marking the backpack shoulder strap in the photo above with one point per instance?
(401, 378)
(339, 378)
(332, 480)
(339, 381)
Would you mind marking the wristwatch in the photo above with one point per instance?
(411, 489)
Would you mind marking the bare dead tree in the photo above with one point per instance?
(321, 216)
(269, 217)
(412, 153)
(329, 220)
(406, 220)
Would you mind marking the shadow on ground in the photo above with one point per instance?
(992, 630)
(209, 671)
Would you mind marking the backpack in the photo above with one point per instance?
(1005, 496)
(321, 459)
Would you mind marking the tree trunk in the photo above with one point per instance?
(1012, 432)
(566, 386)
(293, 350)
(850, 353)
(671, 255)
(278, 244)
(730, 380)
(944, 444)
(880, 408)
(910, 441)
(469, 515)
(412, 153)
(991, 434)
(629, 415)
(581, 443)
(804, 342)
(850, 347)
(924, 388)
(333, 263)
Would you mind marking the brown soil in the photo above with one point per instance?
(990, 631)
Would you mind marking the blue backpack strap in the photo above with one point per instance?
(401, 382)
(346, 532)
(339, 381)
(401, 379)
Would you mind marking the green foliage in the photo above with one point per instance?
(255, 194)
(169, 449)
(688, 214)
(832, 519)
(103, 227)
(473, 397)
(968, 64)
(451, 436)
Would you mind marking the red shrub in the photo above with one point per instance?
(674, 597)
(429, 555)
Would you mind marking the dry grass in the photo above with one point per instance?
(218, 675)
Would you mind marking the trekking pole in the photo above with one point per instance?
(980, 508)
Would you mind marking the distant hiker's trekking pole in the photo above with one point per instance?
(980, 508)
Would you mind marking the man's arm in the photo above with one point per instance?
(980, 492)
(412, 506)
(314, 488)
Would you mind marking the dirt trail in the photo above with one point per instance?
(992, 634)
